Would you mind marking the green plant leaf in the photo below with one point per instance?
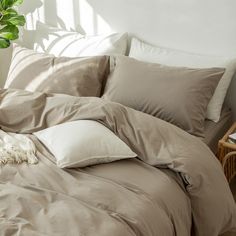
(5, 4)
(9, 32)
(17, 20)
(6, 14)
(10, 20)
(9, 11)
(5, 18)
(13, 20)
(4, 43)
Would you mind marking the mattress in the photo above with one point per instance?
(215, 131)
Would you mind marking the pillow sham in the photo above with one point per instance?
(174, 94)
(34, 71)
(73, 44)
(87, 143)
(171, 57)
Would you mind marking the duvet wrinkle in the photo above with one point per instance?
(160, 204)
(132, 189)
(156, 143)
(53, 199)
(143, 194)
(127, 222)
(103, 207)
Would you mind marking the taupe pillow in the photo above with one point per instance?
(34, 71)
(177, 95)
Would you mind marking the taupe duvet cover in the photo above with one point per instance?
(174, 187)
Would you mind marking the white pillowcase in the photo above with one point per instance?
(73, 44)
(145, 52)
(83, 143)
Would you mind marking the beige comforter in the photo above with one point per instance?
(176, 187)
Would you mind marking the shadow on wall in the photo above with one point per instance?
(27, 8)
(6, 54)
(47, 38)
(54, 12)
(30, 10)
(65, 15)
(61, 14)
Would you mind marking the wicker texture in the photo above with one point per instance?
(227, 154)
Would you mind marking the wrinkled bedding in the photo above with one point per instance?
(175, 186)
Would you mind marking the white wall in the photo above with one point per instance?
(202, 26)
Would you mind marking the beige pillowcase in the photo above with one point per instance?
(174, 94)
(35, 71)
(171, 57)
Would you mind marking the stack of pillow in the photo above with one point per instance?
(178, 87)
(64, 62)
(171, 57)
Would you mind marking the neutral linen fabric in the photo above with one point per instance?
(130, 197)
(60, 42)
(87, 143)
(42, 72)
(177, 95)
(171, 57)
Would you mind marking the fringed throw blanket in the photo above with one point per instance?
(16, 148)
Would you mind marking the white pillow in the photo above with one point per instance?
(73, 44)
(171, 57)
(83, 143)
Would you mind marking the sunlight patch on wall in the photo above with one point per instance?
(87, 18)
(76, 15)
(34, 11)
(91, 22)
(102, 26)
(65, 14)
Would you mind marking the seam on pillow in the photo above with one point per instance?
(62, 164)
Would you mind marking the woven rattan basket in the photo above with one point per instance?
(227, 154)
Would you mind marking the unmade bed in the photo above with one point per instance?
(172, 188)
(91, 149)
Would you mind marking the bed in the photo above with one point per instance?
(120, 198)
(83, 154)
